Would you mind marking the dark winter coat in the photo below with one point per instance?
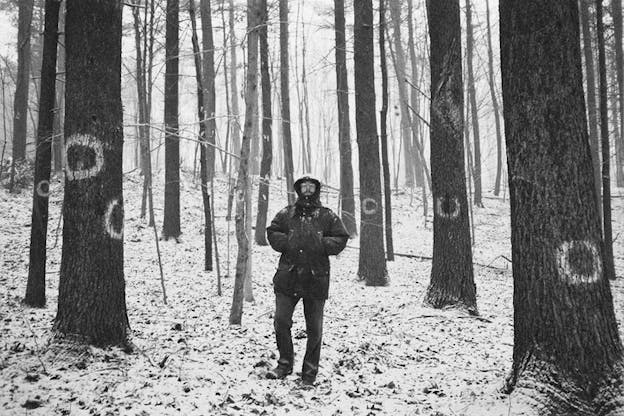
(306, 233)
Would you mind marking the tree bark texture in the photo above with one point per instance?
(242, 185)
(567, 356)
(91, 300)
(267, 130)
(285, 91)
(171, 220)
(347, 200)
(35, 289)
(452, 280)
(372, 262)
(208, 86)
(20, 103)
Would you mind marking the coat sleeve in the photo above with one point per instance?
(335, 240)
(277, 232)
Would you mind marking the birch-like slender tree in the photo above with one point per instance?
(472, 96)
(495, 106)
(243, 188)
(285, 92)
(35, 289)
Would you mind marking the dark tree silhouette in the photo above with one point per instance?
(452, 280)
(91, 300)
(347, 200)
(372, 263)
(267, 133)
(171, 218)
(35, 289)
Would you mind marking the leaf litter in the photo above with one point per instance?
(383, 352)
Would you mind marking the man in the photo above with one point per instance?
(306, 233)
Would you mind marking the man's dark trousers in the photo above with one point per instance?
(313, 311)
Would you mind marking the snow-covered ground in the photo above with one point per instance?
(383, 352)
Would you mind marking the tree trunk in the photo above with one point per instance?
(20, 103)
(406, 120)
(171, 220)
(267, 133)
(210, 105)
(91, 300)
(204, 167)
(234, 122)
(567, 357)
(616, 12)
(57, 141)
(372, 263)
(452, 281)
(243, 185)
(384, 134)
(495, 106)
(591, 97)
(609, 268)
(472, 96)
(347, 200)
(285, 91)
(35, 289)
(419, 175)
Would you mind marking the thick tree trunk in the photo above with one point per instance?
(452, 280)
(285, 91)
(243, 186)
(567, 357)
(472, 96)
(171, 220)
(372, 263)
(384, 135)
(347, 200)
(267, 131)
(495, 106)
(91, 300)
(616, 13)
(204, 164)
(590, 77)
(20, 103)
(35, 289)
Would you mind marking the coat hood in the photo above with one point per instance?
(314, 199)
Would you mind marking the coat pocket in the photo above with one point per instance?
(283, 279)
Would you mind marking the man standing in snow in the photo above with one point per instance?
(306, 233)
